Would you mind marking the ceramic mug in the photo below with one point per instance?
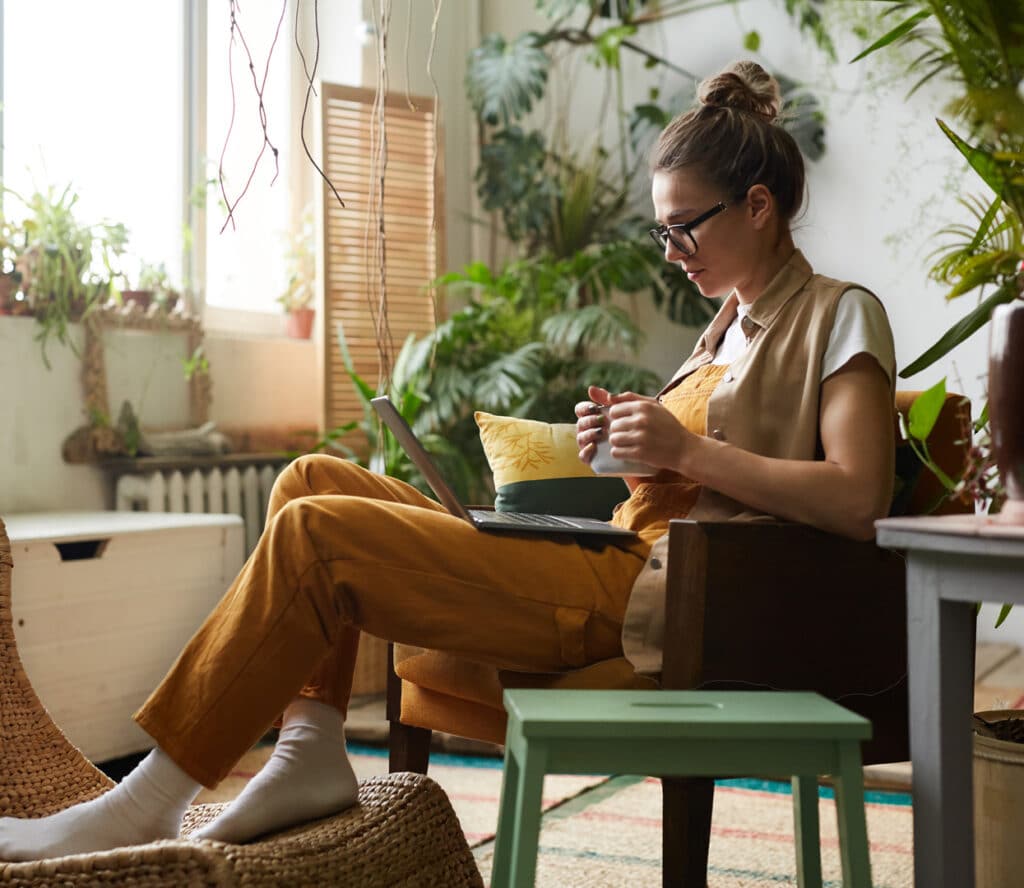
(604, 463)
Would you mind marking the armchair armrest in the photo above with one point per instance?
(782, 605)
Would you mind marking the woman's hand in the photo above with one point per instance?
(590, 421)
(639, 429)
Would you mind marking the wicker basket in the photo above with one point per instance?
(402, 832)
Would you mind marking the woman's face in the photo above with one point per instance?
(726, 243)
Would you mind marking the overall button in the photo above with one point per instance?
(656, 563)
(718, 434)
(728, 377)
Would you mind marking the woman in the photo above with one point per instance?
(784, 408)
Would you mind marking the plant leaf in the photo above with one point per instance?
(607, 43)
(803, 117)
(503, 79)
(925, 411)
(982, 162)
(899, 31)
(1004, 612)
(962, 329)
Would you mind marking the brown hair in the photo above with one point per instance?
(733, 139)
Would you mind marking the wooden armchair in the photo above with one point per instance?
(800, 610)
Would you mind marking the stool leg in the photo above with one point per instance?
(853, 833)
(805, 829)
(515, 852)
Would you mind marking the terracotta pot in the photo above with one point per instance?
(300, 323)
(1006, 404)
(142, 298)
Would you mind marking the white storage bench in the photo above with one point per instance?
(102, 604)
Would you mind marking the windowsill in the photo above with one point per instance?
(237, 324)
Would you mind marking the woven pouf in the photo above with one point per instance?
(403, 832)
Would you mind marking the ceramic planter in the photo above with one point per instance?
(300, 323)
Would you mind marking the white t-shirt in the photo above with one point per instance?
(860, 326)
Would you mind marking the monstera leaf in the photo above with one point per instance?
(503, 79)
(803, 116)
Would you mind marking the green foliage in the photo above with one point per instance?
(525, 344)
(67, 267)
(503, 79)
(979, 46)
(552, 200)
(367, 442)
(196, 364)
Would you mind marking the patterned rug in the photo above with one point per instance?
(602, 832)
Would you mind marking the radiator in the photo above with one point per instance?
(233, 487)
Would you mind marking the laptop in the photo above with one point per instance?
(519, 522)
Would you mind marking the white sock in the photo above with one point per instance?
(148, 804)
(307, 776)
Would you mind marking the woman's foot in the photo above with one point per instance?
(308, 776)
(148, 804)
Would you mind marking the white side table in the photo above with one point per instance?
(953, 562)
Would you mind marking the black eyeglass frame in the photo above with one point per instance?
(663, 233)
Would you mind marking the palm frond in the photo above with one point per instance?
(600, 324)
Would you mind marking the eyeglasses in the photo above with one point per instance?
(681, 235)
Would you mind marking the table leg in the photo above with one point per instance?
(941, 674)
(806, 831)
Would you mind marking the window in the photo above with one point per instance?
(100, 111)
(245, 262)
(112, 111)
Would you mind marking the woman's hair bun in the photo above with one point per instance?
(744, 86)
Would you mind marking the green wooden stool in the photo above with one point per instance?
(683, 733)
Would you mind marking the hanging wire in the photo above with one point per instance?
(259, 86)
(311, 90)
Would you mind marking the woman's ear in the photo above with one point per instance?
(762, 205)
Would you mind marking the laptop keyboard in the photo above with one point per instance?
(531, 519)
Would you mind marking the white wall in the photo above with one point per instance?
(256, 383)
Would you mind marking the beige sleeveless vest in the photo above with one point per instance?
(767, 403)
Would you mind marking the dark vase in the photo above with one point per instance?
(1006, 404)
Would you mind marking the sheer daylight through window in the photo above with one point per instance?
(245, 262)
(102, 115)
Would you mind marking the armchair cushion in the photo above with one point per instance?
(536, 468)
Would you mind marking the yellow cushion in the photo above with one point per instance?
(528, 450)
(536, 468)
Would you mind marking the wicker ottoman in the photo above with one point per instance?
(402, 832)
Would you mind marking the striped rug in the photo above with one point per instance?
(601, 831)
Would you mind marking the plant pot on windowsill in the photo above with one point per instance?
(998, 797)
(142, 298)
(299, 324)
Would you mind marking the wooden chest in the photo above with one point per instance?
(102, 604)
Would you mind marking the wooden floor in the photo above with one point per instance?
(999, 684)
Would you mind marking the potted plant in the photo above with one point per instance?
(66, 266)
(152, 286)
(977, 46)
(297, 299)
